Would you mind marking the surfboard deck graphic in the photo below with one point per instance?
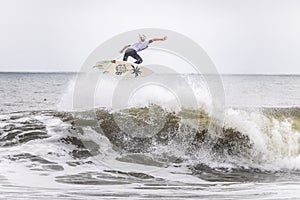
(122, 68)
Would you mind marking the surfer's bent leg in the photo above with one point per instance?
(125, 57)
(138, 58)
(128, 52)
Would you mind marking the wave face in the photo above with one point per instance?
(267, 139)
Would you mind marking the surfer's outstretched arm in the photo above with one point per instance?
(159, 39)
(125, 47)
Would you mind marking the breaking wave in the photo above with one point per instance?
(264, 139)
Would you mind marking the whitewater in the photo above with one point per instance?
(159, 145)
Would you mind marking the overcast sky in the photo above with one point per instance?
(240, 36)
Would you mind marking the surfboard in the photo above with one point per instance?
(122, 68)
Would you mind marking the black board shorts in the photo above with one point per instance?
(132, 53)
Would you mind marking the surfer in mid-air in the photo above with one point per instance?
(131, 50)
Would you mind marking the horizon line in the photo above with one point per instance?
(62, 72)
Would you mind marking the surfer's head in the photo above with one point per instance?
(142, 37)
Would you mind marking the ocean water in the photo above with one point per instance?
(153, 148)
